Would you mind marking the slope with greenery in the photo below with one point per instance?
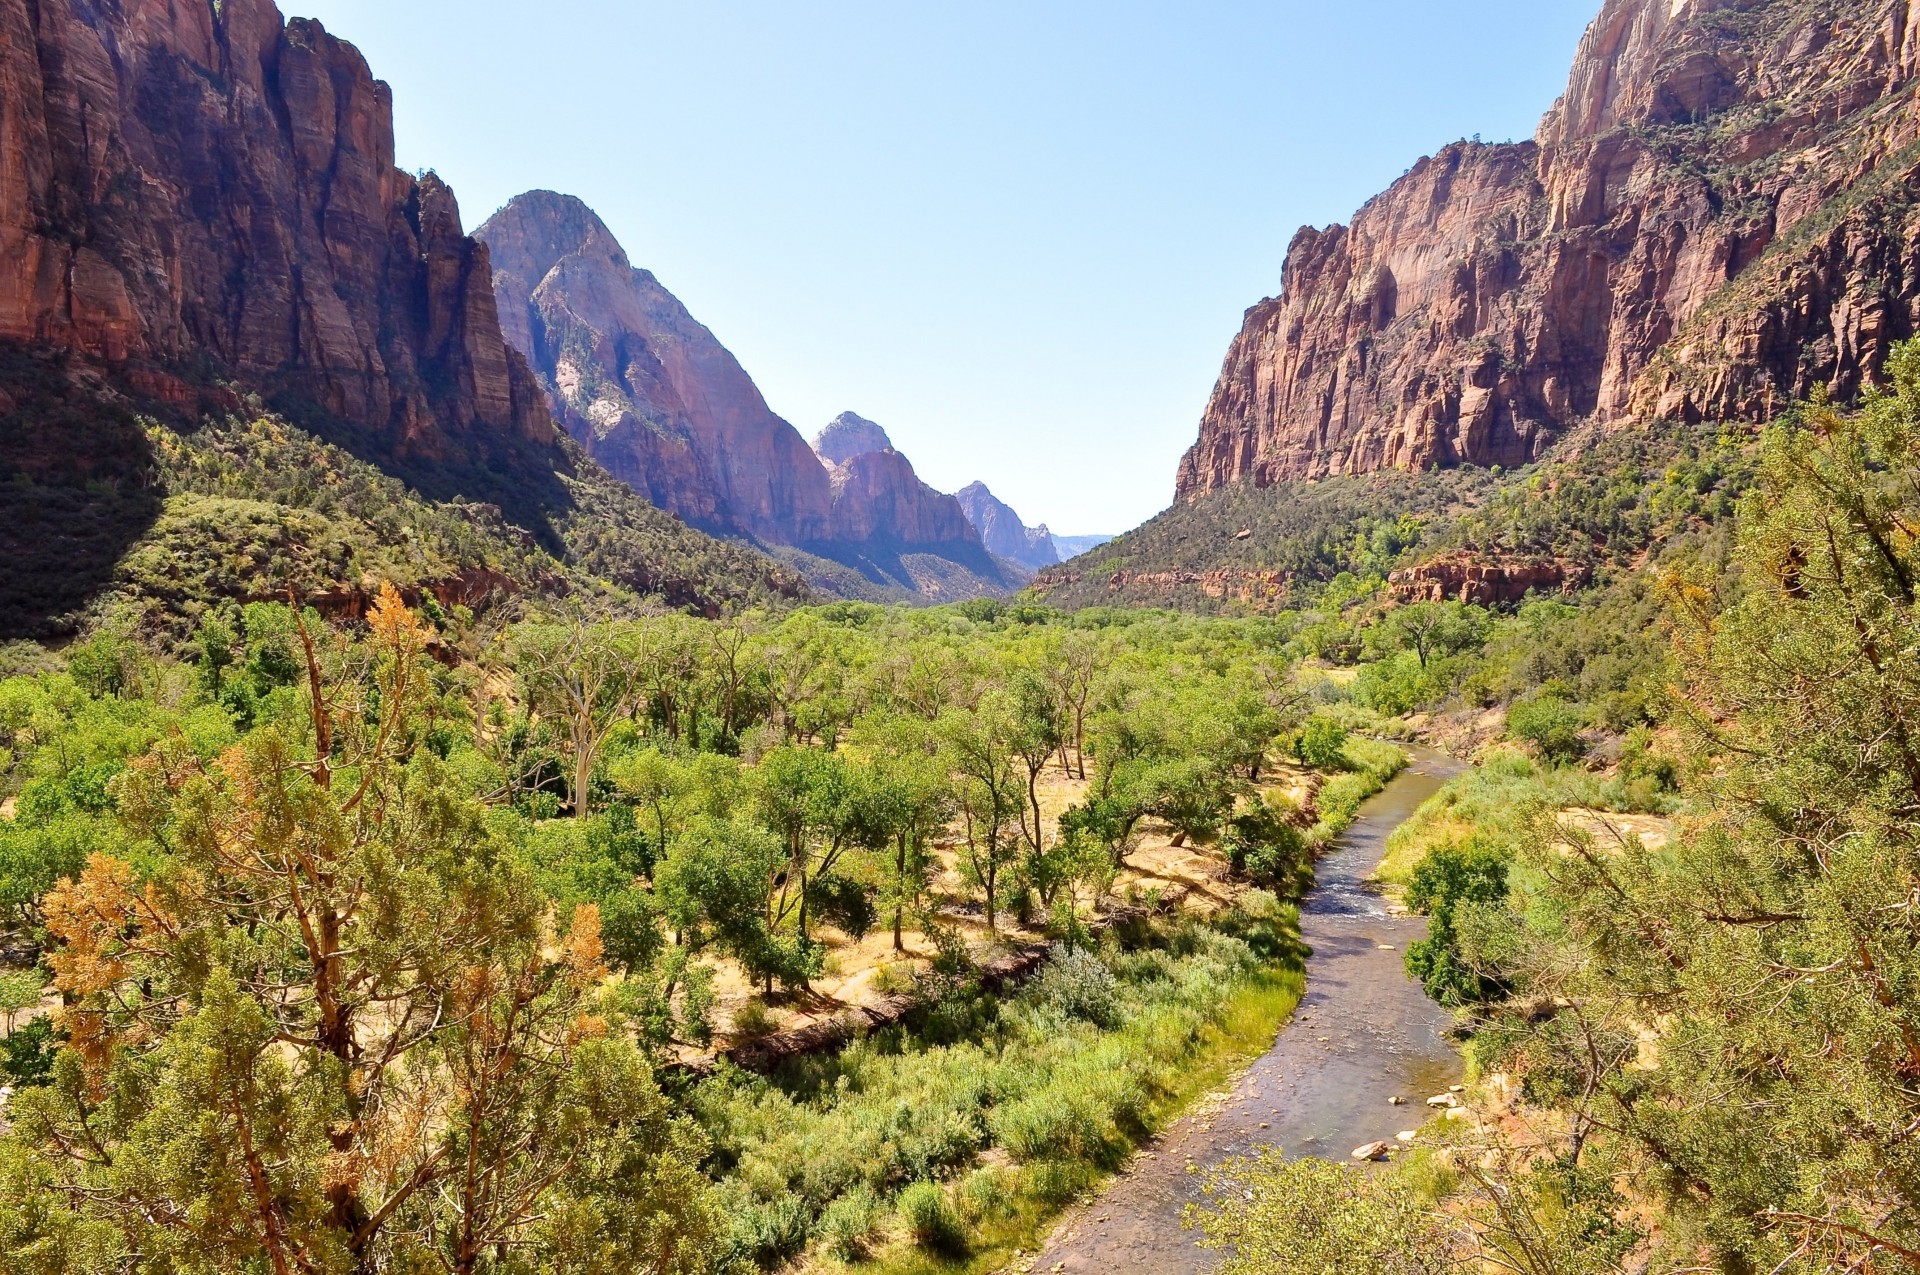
(1706, 1045)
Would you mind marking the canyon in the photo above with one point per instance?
(1717, 217)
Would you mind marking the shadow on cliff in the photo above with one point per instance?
(907, 566)
(77, 491)
(526, 481)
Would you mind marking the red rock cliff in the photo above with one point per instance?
(1718, 215)
(183, 181)
(645, 387)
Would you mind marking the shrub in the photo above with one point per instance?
(930, 1217)
(1322, 743)
(753, 1020)
(1078, 984)
(850, 1223)
(1550, 723)
(1448, 880)
(1263, 843)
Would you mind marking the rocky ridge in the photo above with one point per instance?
(1717, 216)
(1004, 532)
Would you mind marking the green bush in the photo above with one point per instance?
(1550, 724)
(849, 1225)
(1322, 743)
(931, 1218)
(1448, 880)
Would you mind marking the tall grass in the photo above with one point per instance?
(1499, 800)
(1371, 763)
(945, 1145)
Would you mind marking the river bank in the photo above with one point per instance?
(1363, 1033)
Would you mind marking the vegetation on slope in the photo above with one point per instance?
(1696, 1044)
(105, 508)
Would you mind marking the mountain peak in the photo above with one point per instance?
(1003, 531)
(847, 436)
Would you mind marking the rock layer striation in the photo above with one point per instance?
(1721, 213)
(213, 188)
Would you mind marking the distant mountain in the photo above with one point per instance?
(655, 398)
(1071, 547)
(1004, 532)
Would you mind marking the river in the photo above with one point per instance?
(1364, 1033)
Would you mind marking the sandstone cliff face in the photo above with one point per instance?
(848, 435)
(648, 390)
(1003, 532)
(1718, 215)
(657, 400)
(185, 183)
(878, 496)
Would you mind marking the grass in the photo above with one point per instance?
(1501, 799)
(1008, 1111)
(1371, 763)
(1252, 1016)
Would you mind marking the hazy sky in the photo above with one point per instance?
(1020, 235)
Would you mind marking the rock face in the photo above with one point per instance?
(847, 436)
(208, 186)
(1003, 531)
(877, 496)
(647, 389)
(1719, 215)
(657, 400)
(1467, 577)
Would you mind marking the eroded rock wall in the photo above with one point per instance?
(193, 184)
(1717, 216)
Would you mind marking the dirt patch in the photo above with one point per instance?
(1611, 831)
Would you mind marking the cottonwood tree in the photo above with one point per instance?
(1035, 731)
(1074, 664)
(989, 793)
(327, 1026)
(587, 675)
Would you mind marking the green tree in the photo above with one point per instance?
(326, 1026)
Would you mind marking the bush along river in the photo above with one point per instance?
(1364, 1034)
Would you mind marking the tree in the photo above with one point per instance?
(1035, 733)
(1434, 629)
(1074, 665)
(20, 990)
(1773, 943)
(327, 1027)
(584, 673)
(988, 792)
(1322, 743)
(913, 801)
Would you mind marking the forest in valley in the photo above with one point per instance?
(595, 935)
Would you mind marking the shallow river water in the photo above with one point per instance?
(1364, 1033)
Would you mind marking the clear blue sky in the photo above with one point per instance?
(1017, 233)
